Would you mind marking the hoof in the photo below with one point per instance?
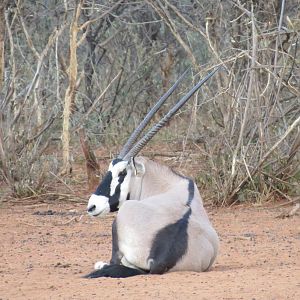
(99, 265)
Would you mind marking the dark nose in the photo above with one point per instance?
(91, 208)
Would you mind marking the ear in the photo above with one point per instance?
(138, 168)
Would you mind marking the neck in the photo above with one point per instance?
(157, 179)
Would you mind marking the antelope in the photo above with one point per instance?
(161, 224)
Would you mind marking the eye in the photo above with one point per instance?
(123, 173)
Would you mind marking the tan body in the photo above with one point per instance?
(161, 225)
(162, 200)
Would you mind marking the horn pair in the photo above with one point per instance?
(128, 149)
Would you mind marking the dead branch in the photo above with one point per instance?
(92, 108)
(164, 14)
(264, 158)
(70, 91)
(290, 213)
(92, 167)
(2, 37)
(51, 40)
(249, 100)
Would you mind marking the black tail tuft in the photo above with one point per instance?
(115, 271)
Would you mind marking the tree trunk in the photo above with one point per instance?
(2, 37)
(70, 93)
(92, 167)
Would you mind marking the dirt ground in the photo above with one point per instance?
(45, 249)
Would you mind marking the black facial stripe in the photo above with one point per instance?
(123, 173)
(114, 199)
(104, 187)
(122, 176)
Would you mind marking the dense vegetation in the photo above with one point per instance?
(93, 68)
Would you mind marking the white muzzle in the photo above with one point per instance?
(98, 206)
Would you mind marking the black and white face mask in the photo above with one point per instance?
(113, 189)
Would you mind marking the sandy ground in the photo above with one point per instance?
(45, 249)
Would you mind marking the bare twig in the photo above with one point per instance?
(164, 14)
(51, 39)
(264, 158)
(290, 213)
(249, 100)
(92, 108)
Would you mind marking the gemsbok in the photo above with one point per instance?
(161, 224)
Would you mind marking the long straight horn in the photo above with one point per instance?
(147, 137)
(148, 117)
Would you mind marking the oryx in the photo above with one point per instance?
(161, 223)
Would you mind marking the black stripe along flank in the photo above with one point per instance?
(171, 242)
(169, 245)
